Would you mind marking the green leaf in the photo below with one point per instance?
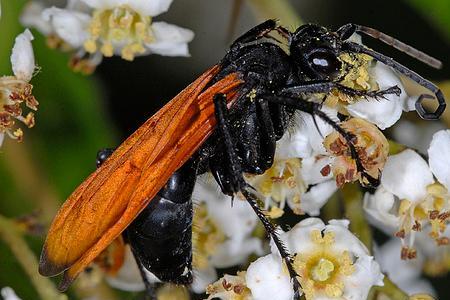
(437, 11)
(60, 151)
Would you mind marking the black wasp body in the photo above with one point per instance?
(275, 83)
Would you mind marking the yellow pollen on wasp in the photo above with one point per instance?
(119, 27)
(322, 269)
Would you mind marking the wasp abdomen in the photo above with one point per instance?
(161, 236)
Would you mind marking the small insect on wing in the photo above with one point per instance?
(110, 198)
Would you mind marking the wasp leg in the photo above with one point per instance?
(260, 31)
(327, 86)
(314, 109)
(255, 33)
(150, 288)
(423, 113)
(232, 183)
(241, 186)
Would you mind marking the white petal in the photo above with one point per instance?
(293, 144)
(404, 273)
(416, 135)
(150, 8)
(344, 223)
(439, 157)
(367, 273)
(22, 57)
(32, 17)
(2, 138)
(305, 137)
(397, 269)
(9, 294)
(202, 278)
(380, 210)
(267, 280)
(298, 239)
(407, 175)
(382, 112)
(317, 197)
(103, 4)
(317, 134)
(128, 278)
(237, 220)
(410, 103)
(235, 252)
(344, 240)
(311, 167)
(70, 26)
(171, 40)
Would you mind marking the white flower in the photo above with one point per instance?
(415, 135)
(128, 277)
(330, 261)
(222, 232)
(9, 294)
(409, 199)
(96, 28)
(383, 112)
(295, 177)
(267, 279)
(406, 274)
(22, 57)
(15, 90)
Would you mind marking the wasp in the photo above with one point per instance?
(143, 189)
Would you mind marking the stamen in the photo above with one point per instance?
(119, 28)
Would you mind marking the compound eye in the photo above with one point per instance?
(325, 63)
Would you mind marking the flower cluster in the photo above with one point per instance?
(330, 261)
(16, 90)
(91, 29)
(415, 203)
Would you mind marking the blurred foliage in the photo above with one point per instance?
(71, 127)
(437, 12)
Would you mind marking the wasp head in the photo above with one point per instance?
(316, 51)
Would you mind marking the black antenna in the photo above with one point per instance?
(423, 113)
(347, 30)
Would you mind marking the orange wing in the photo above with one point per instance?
(112, 196)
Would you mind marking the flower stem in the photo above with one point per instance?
(275, 9)
(352, 199)
(29, 177)
(12, 236)
(389, 290)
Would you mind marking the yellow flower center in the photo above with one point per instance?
(120, 27)
(206, 237)
(281, 182)
(323, 269)
(14, 92)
